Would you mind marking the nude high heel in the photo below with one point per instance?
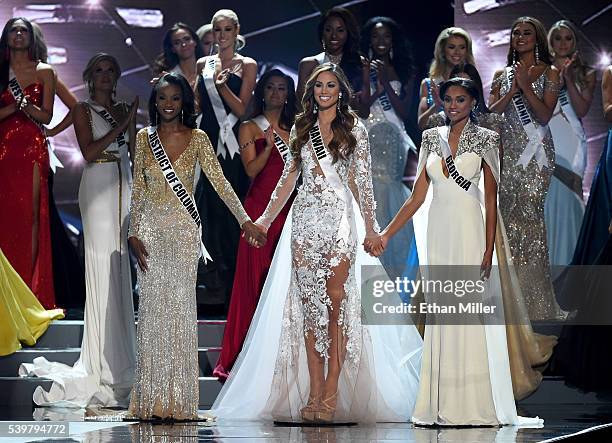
(325, 414)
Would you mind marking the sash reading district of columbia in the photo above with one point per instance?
(226, 122)
(535, 133)
(262, 122)
(174, 182)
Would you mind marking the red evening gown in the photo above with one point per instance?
(252, 264)
(22, 145)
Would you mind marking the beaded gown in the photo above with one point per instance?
(167, 339)
(317, 237)
(521, 201)
(22, 146)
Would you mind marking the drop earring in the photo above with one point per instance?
(181, 116)
(339, 102)
(537, 54)
(370, 54)
(324, 46)
(391, 53)
(315, 108)
(514, 57)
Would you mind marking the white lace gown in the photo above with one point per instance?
(104, 373)
(270, 380)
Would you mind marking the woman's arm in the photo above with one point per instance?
(238, 104)
(44, 113)
(581, 100)
(253, 163)
(542, 108)
(606, 93)
(425, 111)
(497, 102)
(67, 98)
(305, 68)
(137, 201)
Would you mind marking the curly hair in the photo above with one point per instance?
(168, 59)
(188, 106)
(343, 142)
(287, 117)
(402, 59)
(541, 40)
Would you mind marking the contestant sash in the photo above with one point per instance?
(322, 58)
(262, 122)
(18, 94)
(174, 182)
(120, 140)
(453, 173)
(535, 134)
(325, 162)
(226, 122)
(390, 114)
(570, 114)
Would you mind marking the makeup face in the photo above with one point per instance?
(523, 37)
(334, 34)
(381, 40)
(455, 50)
(183, 44)
(19, 36)
(104, 76)
(563, 43)
(457, 103)
(208, 40)
(225, 32)
(326, 90)
(275, 92)
(169, 101)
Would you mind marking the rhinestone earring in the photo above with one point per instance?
(537, 54)
(339, 102)
(514, 57)
(391, 53)
(181, 116)
(315, 108)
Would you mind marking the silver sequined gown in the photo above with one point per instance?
(167, 339)
(521, 200)
(388, 162)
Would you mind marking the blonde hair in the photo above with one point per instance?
(233, 17)
(203, 30)
(439, 64)
(579, 67)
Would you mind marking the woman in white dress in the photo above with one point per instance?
(307, 354)
(564, 206)
(104, 372)
(465, 374)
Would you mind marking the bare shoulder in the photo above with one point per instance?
(201, 62)
(45, 72)
(552, 73)
(308, 63)
(248, 61)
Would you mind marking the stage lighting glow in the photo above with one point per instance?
(128, 41)
(93, 2)
(56, 55)
(72, 229)
(498, 38)
(142, 18)
(604, 59)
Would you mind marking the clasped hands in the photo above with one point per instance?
(375, 245)
(255, 234)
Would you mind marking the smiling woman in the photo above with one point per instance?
(181, 49)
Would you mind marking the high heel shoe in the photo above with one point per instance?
(308, 412)
(325, 414)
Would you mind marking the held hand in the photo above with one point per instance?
(269, 134)
(567, 71)
(24, 103)
(514, 88)
(376, 245)
(256, 235)
(485, 266)
(521, 74)
(435, 93)
(140, 252)
(381, 72)
(223, 77)
(130, 117)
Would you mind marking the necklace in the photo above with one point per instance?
(335, 59)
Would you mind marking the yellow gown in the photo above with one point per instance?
(22, 318)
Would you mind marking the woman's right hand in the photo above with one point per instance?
(376, 245)
(269, 134)
(130, 117)
(140, 252)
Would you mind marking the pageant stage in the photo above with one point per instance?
(568, 414)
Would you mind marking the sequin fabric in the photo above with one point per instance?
(521, 200)
(317, 249)
(167, 362)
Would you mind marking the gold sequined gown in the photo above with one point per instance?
(167, 340)
(521, 200)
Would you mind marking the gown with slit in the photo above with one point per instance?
(23, 153)
(220, 232)
(378, 378)
(252, 264)
(104, 373)
(22, 318)
(465, 372)
(167, 370)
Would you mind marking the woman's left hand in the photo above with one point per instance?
(486, 265)
(255, 235)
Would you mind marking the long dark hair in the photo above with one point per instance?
(469, 86)
(168, 59)
(287, 117)
(472, 72)
(541, 40)
(188, 108)
(343, 142)
(402, 59)
(351, 59)
(4, 49)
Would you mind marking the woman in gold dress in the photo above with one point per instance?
(165, 237)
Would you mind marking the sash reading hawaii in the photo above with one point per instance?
(262, 122)
(535, 133)
(390, 114)
(325, 162)
(570, 114)
(226, 122)
(120, 140)
(17, 92)
(465, 184)
(173, 180)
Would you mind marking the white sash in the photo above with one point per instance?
(570, 114)
(347, 223)
(322, 58)
(174, 182)
(453, 173)
(226, 122)
(262, 122)
(390, 114)
(535, 133)
(17, 92)
(120, 140)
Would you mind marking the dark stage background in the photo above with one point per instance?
(278, 32)
(489, 21)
